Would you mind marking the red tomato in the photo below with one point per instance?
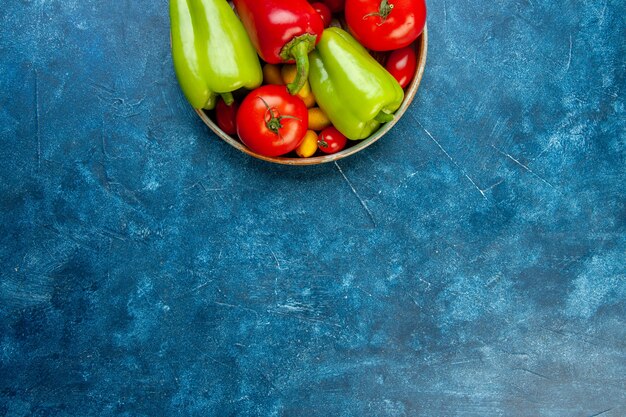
(324, 12)
(385, 25)
(331, 140)
(226, 117)
(272, 122)
(335, 6)
(401, 64)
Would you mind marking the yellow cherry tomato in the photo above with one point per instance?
(318, 119)
(308, 99)
(308, 147)
(288, 72)
(271, 75)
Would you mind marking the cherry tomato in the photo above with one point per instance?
(271, 74)
(385, 25)
(401, 64)
(331, 140)
(288, 73)
(324, 12)
(318, 120)
(272, 122)
(335, 6)
(308, 147)
(226, 117)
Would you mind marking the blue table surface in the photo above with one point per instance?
(470, 263)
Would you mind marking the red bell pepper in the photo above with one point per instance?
(282, 31)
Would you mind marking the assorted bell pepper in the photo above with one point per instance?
(354, 90)
(212, 53)
(283, 31)
(349, 90)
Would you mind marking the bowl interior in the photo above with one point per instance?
(421, 46)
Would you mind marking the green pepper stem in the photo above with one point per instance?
(211, 102)
(300, 52)
(228, 98)
(383, 117)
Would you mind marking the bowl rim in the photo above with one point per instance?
(421, 46)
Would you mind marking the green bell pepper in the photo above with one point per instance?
(354, 90)
(213, 55)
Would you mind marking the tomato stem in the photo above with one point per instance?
(274, 123)
(383, 11)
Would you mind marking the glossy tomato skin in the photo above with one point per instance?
(404, 22)
(331, 140)
(272, 105)
(401, 64)
(226, 117)
(324, 12)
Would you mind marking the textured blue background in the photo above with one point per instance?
(471, 263)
